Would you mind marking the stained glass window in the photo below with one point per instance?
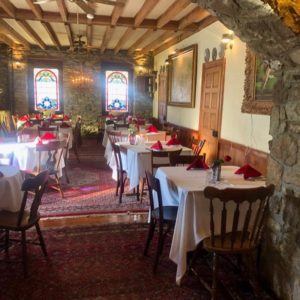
(116, 90)
(46, 89)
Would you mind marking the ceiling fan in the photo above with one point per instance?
(108, 2)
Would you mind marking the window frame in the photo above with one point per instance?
(44, 64)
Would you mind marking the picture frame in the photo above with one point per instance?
(259, 85)
(182, 72)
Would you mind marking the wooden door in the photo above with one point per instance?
(211, 106)
(162, 96)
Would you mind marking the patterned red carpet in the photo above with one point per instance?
(91, 189)
(103, 263)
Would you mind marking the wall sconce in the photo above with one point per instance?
(227, 40)
(17, 65)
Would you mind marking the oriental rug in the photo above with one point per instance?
(105, 262)
(91, 189)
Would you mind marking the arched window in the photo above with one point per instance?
(46, 89)
(116, 90)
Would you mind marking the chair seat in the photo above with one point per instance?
(9, 220)
(226, 246)
(170, 213)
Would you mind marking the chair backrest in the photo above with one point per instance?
(246, 226)
(176, 160)
(52, 129)
(6, 158)
(36, 184)
(116, 136)
(197, 145)
(117, 126)
(154, 186)
(54, 150)
(162, 158)
(117, 154)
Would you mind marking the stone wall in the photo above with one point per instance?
(256, 24)
(4, 75)
(79, 99)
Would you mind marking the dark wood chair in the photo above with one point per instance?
(54, 151)
(176, 160)
(121, 173)
(51, 129)
(77, 140)
(24, 219)
(161, 215)
(197, 145)
(118, 126)
(116, 136)
(242, 234)
(7, 158)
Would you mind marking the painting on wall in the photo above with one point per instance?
(259, 85)
(182, 76)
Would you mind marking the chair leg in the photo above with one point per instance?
(24, 252)
(66, 174)
(150, 236)
(122, 181)
(58, 185)
(41, 239)
(215, 271)
(159, 246)
(118, 183)
(6, 243)
(143, 188)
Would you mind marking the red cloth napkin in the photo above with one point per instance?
(198, 163)
(157, 146)
(64, 125)
(38, 117)
(248, 171)
(152, 128)
(24, 118)
(48, 136)
(173, 141)
(66, 118)
(54, 116)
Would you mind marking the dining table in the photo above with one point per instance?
(10, 188)
(184, 188)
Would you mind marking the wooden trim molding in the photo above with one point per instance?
(241, 155)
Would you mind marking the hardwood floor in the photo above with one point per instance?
(94, 219)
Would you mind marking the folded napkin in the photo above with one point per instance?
(48, 136)
(157, 146)
(1, 174)
(38, 117)
(64, 125)
(66, 118)
(54, 116)
(173, 141)
(198, 163)
(24, 118)
(248, 171)
(152, 128)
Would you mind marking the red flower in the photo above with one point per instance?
(227, 158)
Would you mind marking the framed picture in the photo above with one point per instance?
(182, 70)
(259, 85)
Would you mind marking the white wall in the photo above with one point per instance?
(245, 129)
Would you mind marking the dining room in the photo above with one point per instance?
(150, 145)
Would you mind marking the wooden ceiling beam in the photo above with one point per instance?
(62, 10)
(108, 33)
(27, 28)
(98, 20)
(6, 40)
(194, 16)
(173, 10)
(9, 8)
(36, 9)
(7, 29)
(140, 40)
(144, 11)
(52, 35)
(122, 40)
(70, 35)
(117, 13)
(165, 37)
(206, 22)
(85, 7)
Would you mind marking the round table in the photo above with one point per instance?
(10, 189)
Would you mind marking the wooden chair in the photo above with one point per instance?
(161, 215)
(121, 173)
(176, 160)
(243, 234)
(116, 136)
(118, 126)
(197, 145)
(77, 141)
(24, 219)
(66, 137)
(54, 152)
(51, 129)
(7, 158)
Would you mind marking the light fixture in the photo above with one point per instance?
(90, 16)
(227, 40)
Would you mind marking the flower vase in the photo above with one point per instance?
(216, 173)
(132, 139)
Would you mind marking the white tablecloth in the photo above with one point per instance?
(185, 189)
(26, 157)
(136, 160)
(10, 189)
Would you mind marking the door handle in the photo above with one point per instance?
(214, 133)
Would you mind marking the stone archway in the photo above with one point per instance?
(256, 24)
